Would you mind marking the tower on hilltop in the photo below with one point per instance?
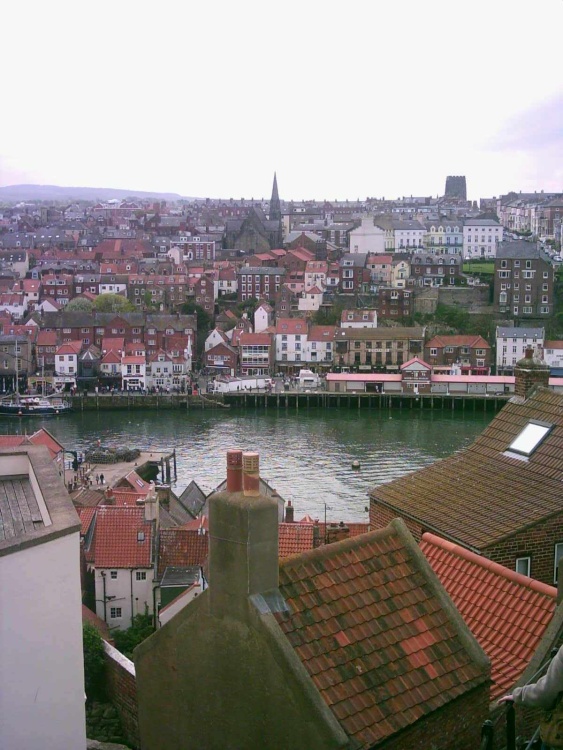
(456, 187)
(275, 205)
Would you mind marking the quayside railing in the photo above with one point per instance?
(512, 741)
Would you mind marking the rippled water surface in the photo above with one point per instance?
(307, 456)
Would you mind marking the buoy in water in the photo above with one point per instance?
(355, 464)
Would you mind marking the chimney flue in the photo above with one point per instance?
(251, 474)
(234, 470)
(289, 512)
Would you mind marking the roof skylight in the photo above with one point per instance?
(530, 437)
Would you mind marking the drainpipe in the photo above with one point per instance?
(132, 613)
(103, 574)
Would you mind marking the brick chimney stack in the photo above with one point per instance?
(289, 512)
(530, 372)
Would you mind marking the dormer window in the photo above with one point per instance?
(533, 434)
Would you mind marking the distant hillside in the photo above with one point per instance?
(55, 193)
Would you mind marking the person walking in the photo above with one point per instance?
(542, 694)
(97, 479)
(101, 478)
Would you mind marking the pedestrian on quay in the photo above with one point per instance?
(97, 479)
(546, 694)
(101, 479)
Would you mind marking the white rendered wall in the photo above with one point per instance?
(131, 596)
(367, 238)
(42, 674)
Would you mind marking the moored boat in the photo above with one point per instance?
(16, 405)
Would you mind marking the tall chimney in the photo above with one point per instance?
(529, 372)
(243, 544)
(234, 470)
(289, 512)
(251, 474)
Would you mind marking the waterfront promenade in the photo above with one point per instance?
(291, 399)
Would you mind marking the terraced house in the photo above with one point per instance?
(375, 348)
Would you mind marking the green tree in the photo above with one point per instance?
(80, 304)
(127, 640)
(112, 303)
(94, 662)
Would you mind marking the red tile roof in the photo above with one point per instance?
(507, 613)
(117, 538)
(471, 341)
(181, 548)
(369, 623)
(294, 538)
(86, 515)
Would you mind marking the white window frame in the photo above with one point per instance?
(557, 555)
(526, 563)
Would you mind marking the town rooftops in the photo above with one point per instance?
(379, 639)
(508, 479)
(507, 612)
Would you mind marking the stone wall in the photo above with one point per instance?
(121, 688)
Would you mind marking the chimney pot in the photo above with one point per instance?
(251, 474)
(234, 470)
(289, 512)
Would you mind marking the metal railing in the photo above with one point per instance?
(512, 742)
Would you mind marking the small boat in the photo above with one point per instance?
(15, 405)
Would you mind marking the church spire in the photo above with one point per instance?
(275, 206)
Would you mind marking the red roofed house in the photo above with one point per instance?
(66, 362)
(471, 353)
(123, 560)
(352, 645)
(320, 346)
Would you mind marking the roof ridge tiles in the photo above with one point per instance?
(491, 566)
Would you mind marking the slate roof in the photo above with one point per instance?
(507, 612)
(117, 544)
(376, 633)
(192, 499)
(483, 494)
(19, 512)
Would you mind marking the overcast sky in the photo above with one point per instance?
(342, 99)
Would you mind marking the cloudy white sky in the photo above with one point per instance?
(342, 99)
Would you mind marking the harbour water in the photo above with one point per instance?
(306, 456)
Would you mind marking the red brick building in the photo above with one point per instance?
(501, 497)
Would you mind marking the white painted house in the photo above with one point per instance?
(512, 344)
(263, 317)
(367, 238)
(133, 373)
(122, 559)
(291, 340)
(481, 238)
(42, 674)
(310, 300)
(66, 363)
